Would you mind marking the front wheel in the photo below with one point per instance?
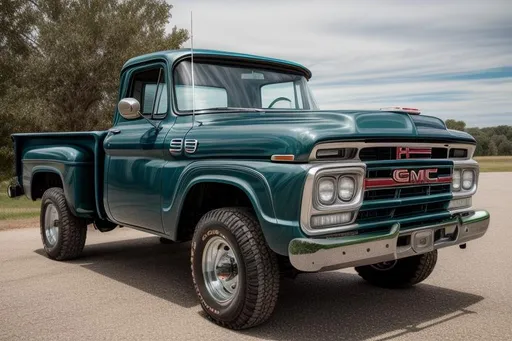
(400, 273)
(235, 274)
(62, 233)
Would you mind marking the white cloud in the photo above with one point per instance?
(370, 54)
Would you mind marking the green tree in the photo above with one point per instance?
(60, 60)
(17, 18)
(455, 125)
(498, 141)
(490, 140)
(493, 149)
(17, 41)
(482, 144)
(83, 46)
(505, 148)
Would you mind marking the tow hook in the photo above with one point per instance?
(463, 246)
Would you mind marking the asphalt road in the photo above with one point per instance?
(127, 286)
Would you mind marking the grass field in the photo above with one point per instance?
(18, 208)
(495, 163)
(22, 208)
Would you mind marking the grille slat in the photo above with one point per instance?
(422, 191)
(387, 193)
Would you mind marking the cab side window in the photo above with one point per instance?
(149, 88)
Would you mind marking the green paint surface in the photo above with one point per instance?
(131, 178)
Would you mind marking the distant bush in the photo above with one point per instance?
(491, 141)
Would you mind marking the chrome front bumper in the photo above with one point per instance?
(328, 254)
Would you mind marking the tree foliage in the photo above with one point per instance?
(491, 141)
(60, 61)
(455, 125)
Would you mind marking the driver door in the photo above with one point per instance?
(135, 153)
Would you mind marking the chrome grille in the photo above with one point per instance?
(400, 201)
(405, 192)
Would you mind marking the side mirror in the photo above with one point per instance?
(129, 108)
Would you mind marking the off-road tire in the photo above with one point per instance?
(258, 269)
(72, 230)
(405, 273)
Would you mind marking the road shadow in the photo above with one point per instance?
(341, 306)
(325, 306)
(161, 270)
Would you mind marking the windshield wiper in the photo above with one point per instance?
(230, 109)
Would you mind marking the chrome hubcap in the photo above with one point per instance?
(51, 227)
(220, 270)
(384, 266)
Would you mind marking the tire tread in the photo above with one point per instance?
(260, 263)
(74, 229)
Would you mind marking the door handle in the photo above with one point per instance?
(114, 131)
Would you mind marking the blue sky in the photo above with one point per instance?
(451, 59)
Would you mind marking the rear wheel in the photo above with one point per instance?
(235, 274)
(62, 233)
(401, 273)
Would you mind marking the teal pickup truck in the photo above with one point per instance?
(230, 151)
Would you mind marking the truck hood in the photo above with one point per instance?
(261, 135)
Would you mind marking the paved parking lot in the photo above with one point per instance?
(127, 286)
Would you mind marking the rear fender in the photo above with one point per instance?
(73, 165)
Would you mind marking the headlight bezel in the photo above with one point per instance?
(462, 167)
(311, 206)
(355, 173)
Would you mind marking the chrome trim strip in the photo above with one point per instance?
(329, 254)
(361, 145)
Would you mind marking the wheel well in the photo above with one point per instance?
(207, 196)
(42, 181)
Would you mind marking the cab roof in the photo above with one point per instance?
(174, 55)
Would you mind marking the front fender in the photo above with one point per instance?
(262, 182)
(249, 180)
(261, 202)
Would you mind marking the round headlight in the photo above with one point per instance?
(468, 178)
(326, 190)
(346, 188)
(456, 180)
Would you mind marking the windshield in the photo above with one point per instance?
(229, 87)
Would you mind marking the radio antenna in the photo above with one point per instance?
(192, 68)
